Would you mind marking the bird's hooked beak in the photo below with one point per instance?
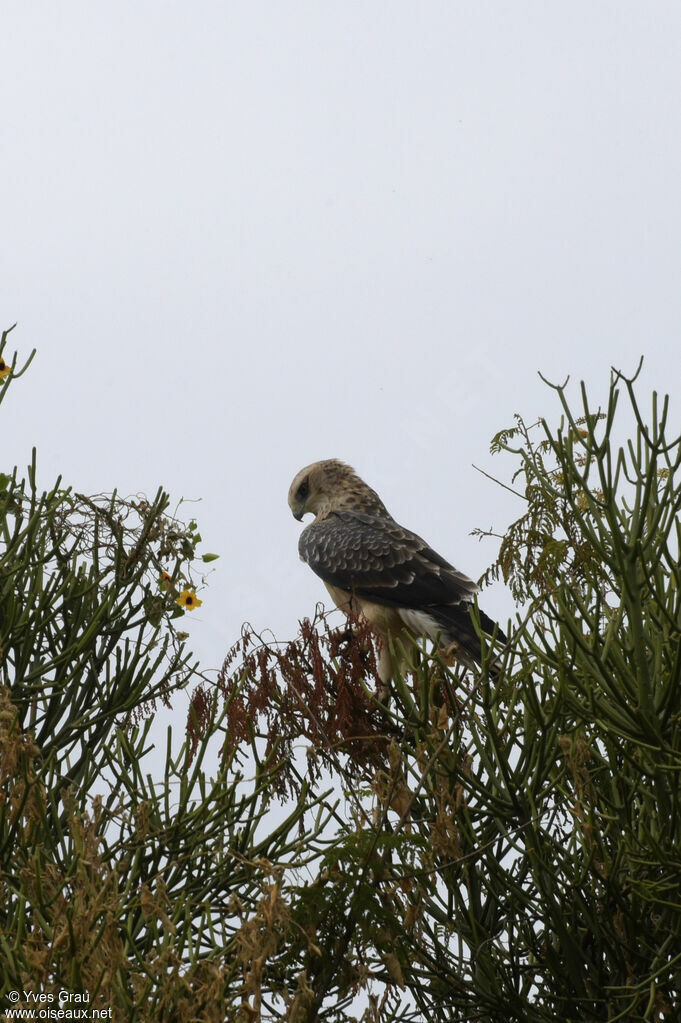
(299, 495)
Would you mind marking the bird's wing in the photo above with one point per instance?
(378, 560)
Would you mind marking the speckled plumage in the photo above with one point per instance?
(373, 565)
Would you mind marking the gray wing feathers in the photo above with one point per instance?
(379, 560)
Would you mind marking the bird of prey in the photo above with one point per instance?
(373, 566)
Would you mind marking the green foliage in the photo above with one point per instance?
(566, 898)
(134, 875)
(498, 847)
(513, 855)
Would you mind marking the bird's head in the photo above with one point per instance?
(327, 486)
(314, 487)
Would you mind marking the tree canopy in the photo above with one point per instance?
(499, 849)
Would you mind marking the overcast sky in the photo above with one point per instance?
(244, 236)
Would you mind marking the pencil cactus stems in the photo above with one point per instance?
(129, 874)
(501, 847)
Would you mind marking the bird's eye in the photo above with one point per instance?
(304, 489)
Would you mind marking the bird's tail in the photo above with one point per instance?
(458, 633)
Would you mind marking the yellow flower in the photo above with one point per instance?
(189, 600)
(165, 580)
(5, 370)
